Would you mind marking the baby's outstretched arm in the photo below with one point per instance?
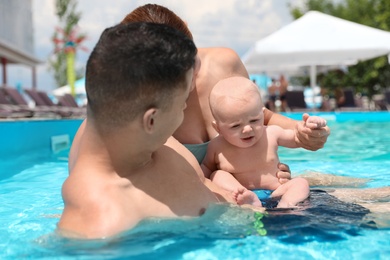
(315, 122)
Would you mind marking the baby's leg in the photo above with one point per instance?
(240, 194)
(225, 180)
(292, 192)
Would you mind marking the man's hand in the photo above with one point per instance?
(310, 137)
(284, 173)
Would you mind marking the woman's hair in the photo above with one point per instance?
(153, 13)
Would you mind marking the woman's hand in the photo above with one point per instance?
(284, 173)
(311, 139)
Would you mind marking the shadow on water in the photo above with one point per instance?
(323, 218)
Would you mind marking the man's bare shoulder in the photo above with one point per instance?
(91, 209)
(82, 185)
(85, 220)
(81, 189)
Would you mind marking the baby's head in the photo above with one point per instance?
(238, 111)
(231, 95)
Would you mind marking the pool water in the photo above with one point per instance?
(30, 206)
(354, 149)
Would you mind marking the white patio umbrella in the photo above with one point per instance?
(316, 39)
(79, 88)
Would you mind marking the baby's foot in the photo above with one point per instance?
(243, 196)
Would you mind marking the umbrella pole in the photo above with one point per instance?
(71, 77)
(313, 82)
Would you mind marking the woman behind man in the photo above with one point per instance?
(216, 64)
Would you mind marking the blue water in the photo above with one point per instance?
(30, 206)
(355, 149)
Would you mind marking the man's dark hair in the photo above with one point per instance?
(134, 67)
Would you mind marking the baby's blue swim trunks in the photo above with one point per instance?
(265, 198)
(263, 194)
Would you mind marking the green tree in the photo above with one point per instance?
(367, 77)
(68, 20)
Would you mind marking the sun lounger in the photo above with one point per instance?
(296, 100)
(387, 99)
(349, 103)
(6, 109)
(9, 110)
(42, 100)
(5, 113)
(68, 101)
(17, 99)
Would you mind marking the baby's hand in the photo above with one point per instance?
(315, 122)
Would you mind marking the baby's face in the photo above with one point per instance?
(242, 124)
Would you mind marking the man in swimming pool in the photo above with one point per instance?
(243, 156)
(138, 79)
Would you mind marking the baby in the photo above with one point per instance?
(243, 157)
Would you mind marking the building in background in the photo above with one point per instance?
(16, 37)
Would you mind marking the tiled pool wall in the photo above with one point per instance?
(23, 136)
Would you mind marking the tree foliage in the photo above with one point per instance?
(68, 20)
(367, 77)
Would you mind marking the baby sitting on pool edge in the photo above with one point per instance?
(243, 156)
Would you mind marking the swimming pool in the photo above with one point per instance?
(34, 165)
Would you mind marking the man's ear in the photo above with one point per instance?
(215, 126)
(149, 119)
